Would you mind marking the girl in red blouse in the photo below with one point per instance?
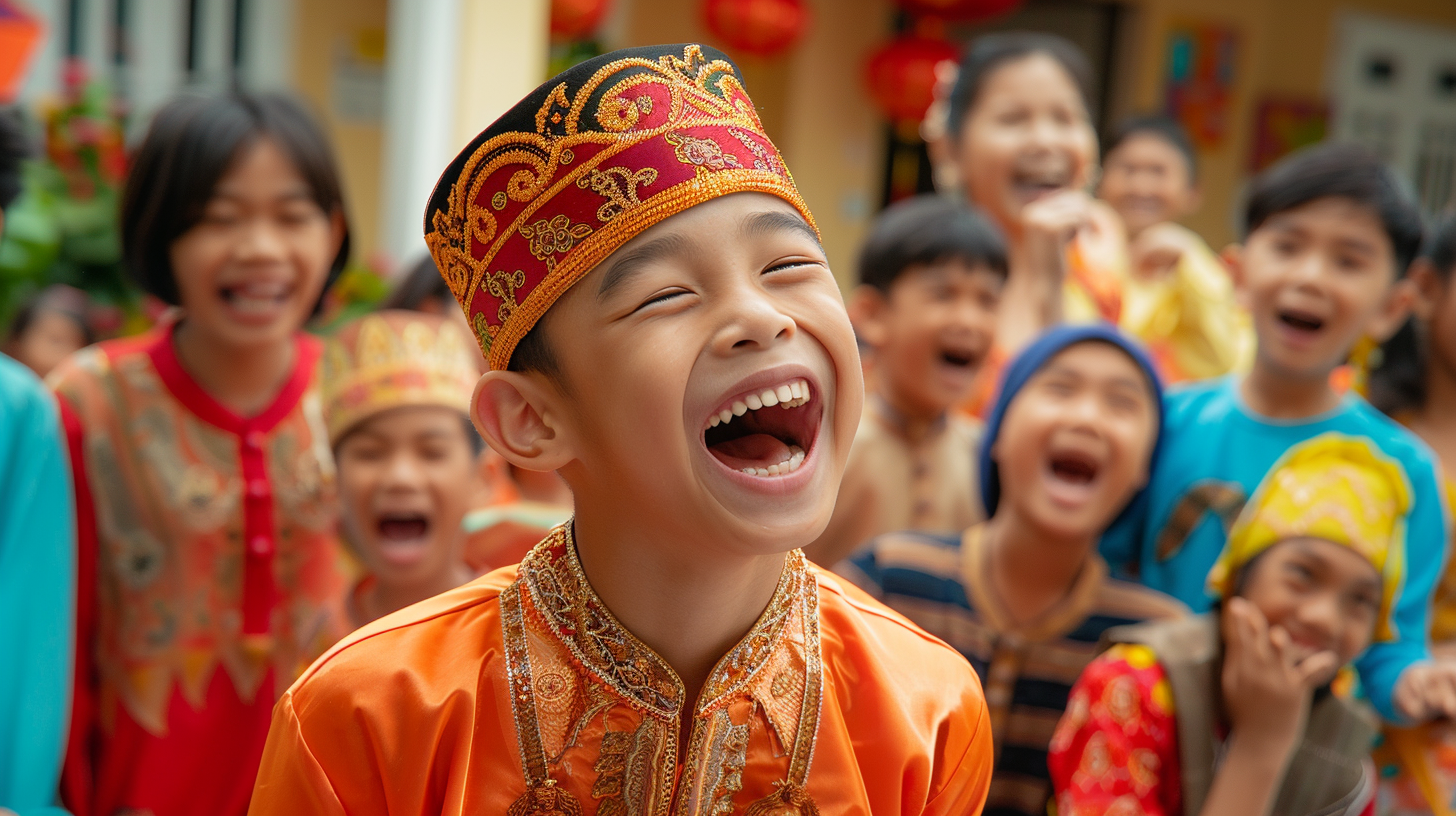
(1231, 714)
(204, 485)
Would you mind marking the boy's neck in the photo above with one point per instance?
(385, 597)
(245, 380)
(688, 603)
(1279, 395)
(1031, 570)
(913, 421)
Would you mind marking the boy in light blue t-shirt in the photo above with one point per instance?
(1329, 234)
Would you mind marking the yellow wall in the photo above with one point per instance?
(812, 103)
(1285, 51)
(323, 26)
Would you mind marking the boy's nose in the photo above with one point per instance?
(260, 241)
(755, 321)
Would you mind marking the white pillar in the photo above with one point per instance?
(419, 117)
(158, 50)
(268, 43)
(453, 67)
(43, 78)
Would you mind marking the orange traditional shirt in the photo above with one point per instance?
(520, 693)
(208, 575)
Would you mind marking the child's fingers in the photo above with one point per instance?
(1313, 669)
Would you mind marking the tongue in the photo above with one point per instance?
(402, 530)
(754, 450)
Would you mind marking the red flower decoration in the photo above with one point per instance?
(901, 76)
(760, 27)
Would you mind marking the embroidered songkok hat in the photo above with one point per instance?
(1335, 487)
(588, 160)
(393, 359)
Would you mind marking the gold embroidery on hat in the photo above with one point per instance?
(619, 186)
(704, 153)
(503, 285)
(554, 236)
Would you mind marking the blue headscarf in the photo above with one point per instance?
(1030, 361)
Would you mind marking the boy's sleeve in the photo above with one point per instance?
(291, 779)
(968, 781)
(37, 596)
(1427, 532)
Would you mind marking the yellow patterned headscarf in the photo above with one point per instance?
(1335, 487)
(393, 359)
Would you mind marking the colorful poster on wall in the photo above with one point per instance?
(1201, 63)
(1284, 125)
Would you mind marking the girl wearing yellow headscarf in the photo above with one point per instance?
(1230, 714)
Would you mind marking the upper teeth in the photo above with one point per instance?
(788, 395)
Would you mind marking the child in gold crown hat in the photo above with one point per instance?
(396, 400)
(663, 329)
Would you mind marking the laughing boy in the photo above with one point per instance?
(637, 265)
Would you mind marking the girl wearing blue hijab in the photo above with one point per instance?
(1068, 447)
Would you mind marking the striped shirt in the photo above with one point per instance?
(941, 583)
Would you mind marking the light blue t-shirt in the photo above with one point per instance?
(37, 593)
(1215, 453)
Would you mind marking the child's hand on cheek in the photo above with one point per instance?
(1266, 690)
(1427, 691)
(1049, 223)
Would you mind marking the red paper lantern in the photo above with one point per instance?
(761, 27)
(901, 76)
(958, 9)
(577, 19)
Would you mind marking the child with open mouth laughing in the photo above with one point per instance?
(1025, 596)
(396, 394)
(663, 329)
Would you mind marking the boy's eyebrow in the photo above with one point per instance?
(632, 263)
(762, 223)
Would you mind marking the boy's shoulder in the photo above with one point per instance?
(438, 645)
(907, 562)
(1125, 600)
(870, 641)
(1199, 401)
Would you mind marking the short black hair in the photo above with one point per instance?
(534, 353)
(1166, 128)
(928, 229)
(422, 283)
(1398, 383)
(192, 142)
(1340, 170)
(14, 150)
(991, 51)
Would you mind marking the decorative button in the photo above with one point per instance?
(261, 546)
(253, 439)
(258, 488)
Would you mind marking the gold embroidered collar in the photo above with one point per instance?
(577, 616)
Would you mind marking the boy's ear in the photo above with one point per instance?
(520, 418)
(1233, 260)
(1426, 288)
(1393, 311)
(867, 313)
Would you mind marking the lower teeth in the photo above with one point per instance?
(784, 468)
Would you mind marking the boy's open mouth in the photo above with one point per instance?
(1072, 475)
(768, 432)
(404, 537)
(1300, 320)
(259, 298)
(959, 358)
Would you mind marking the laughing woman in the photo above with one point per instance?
(1023, 148)
(205, 491)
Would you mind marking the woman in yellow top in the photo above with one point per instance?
(1021, 143)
